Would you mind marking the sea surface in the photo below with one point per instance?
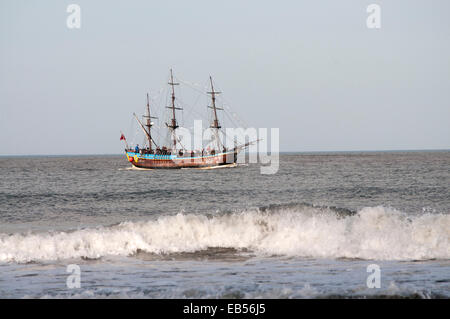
(309, 231)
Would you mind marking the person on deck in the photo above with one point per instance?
(136, 150)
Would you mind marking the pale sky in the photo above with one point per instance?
(310, 68)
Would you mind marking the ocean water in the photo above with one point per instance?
(308, 231)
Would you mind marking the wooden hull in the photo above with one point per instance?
(152, 161)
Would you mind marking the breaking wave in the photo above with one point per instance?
(298, 230)
(393, 291)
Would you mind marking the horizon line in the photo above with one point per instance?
(281, 152)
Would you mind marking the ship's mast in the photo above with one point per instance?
(173, 126)
(215, 125)
(149, 123)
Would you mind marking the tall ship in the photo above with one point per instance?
(175, 156)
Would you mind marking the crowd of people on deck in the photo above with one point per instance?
(165, 151)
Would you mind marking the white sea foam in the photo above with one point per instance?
(218, 292)
(372, 233)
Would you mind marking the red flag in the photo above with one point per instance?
(122, 137)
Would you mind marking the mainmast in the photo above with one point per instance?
(149, 123)
(215, 125)
(173, 126)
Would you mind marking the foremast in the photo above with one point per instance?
(215, 125)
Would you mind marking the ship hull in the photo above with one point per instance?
(153, 161)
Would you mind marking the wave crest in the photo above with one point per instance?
(297, 230)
